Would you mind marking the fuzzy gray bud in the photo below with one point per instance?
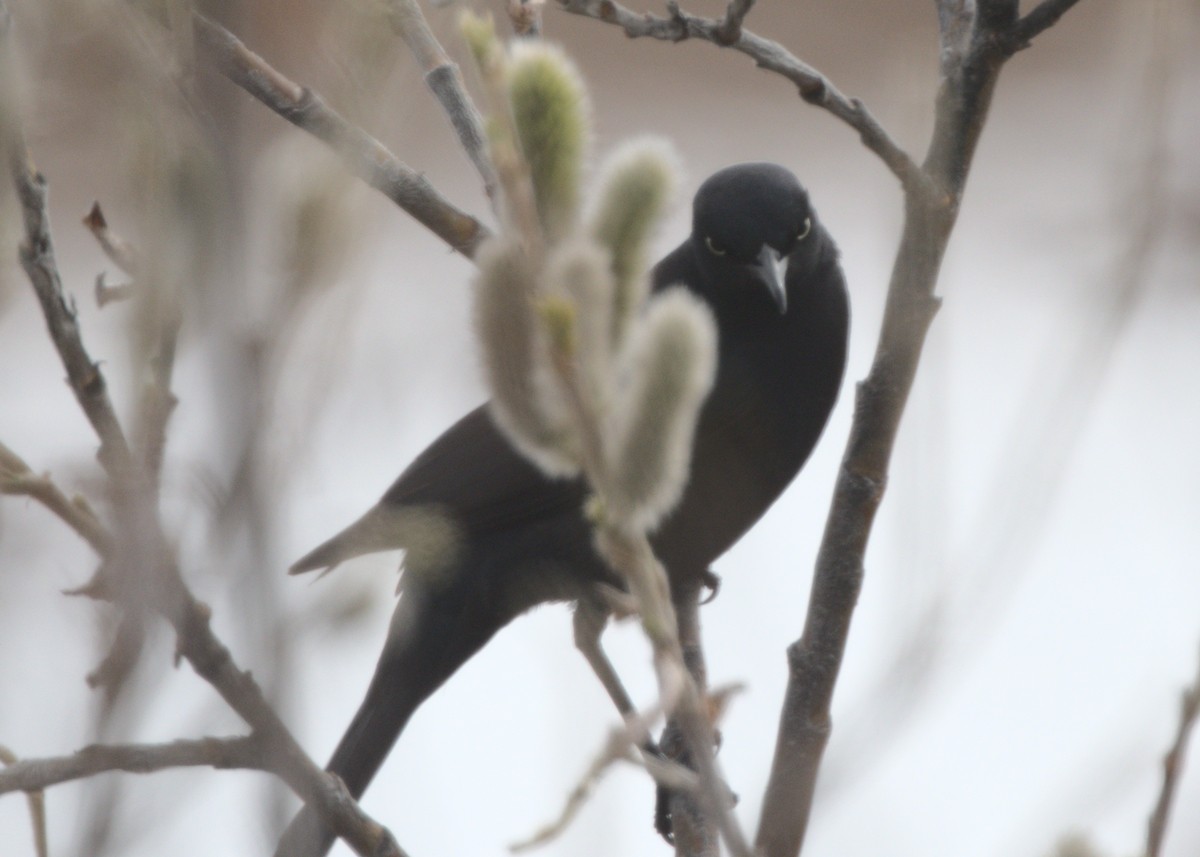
(673, 354)
(550, 111)
(637, 181)
(580, 272)
(525, 403)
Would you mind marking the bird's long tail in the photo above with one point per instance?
(432, 635)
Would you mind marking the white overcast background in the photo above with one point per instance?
(1031, 608)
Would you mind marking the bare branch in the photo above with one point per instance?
(445, 80)
(37, 258)
(37, 808)
(814, 87)
(18, 479)
(363, 155)
(37, 774)
(146, 575)
(963, 100)
(1041, 17)
(730, 29)
(1189, 712)
(619, 747)
(954, 32)
(157, 401)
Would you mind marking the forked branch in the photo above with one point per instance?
(813, 86)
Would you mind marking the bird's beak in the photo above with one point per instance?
(771, 267)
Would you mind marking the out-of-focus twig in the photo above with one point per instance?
(362, 154)
(106, 294)
(157, 401)
(121, 252)
(37, 258)
(1189, 712)
(36, 774)
(445, 81)
(621, 746)
(18, 479)
(143, 575)
(37, 806)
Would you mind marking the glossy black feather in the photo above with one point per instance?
(525, 540)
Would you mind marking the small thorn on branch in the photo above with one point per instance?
(98, 588)
(106, 294)
(123, 254)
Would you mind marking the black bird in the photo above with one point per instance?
(488, 536)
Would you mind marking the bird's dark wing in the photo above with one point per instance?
(473, 472)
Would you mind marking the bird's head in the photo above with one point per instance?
(750, 223)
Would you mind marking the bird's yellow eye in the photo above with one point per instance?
(713, 247)
(805, 229)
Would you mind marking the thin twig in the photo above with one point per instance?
(18, 479)
(36, 774)
(730, 29)
(37, 806)
(37, 258)
(814, 87)
(1041, 17)
(146, 575)
(1189, 712)
(630, 553)
(363, 155)
(444, 79)
(106, 294)
(157, 401)
(123, 254)
(621, 746)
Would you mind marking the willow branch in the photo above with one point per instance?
(730, 29)
(37, 808)
(142, 574)
(1041, 17)
(37, 258)
(362, 154)
(444, 79)
(16, 478)
(963, 101)
(813, 86)
(37, 774)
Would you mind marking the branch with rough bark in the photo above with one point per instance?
(976, 41)
(814, 87)
(964, 98)
(363, 155)
(445, 81)
(18, 479)
(140, 572)
(36, 774)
